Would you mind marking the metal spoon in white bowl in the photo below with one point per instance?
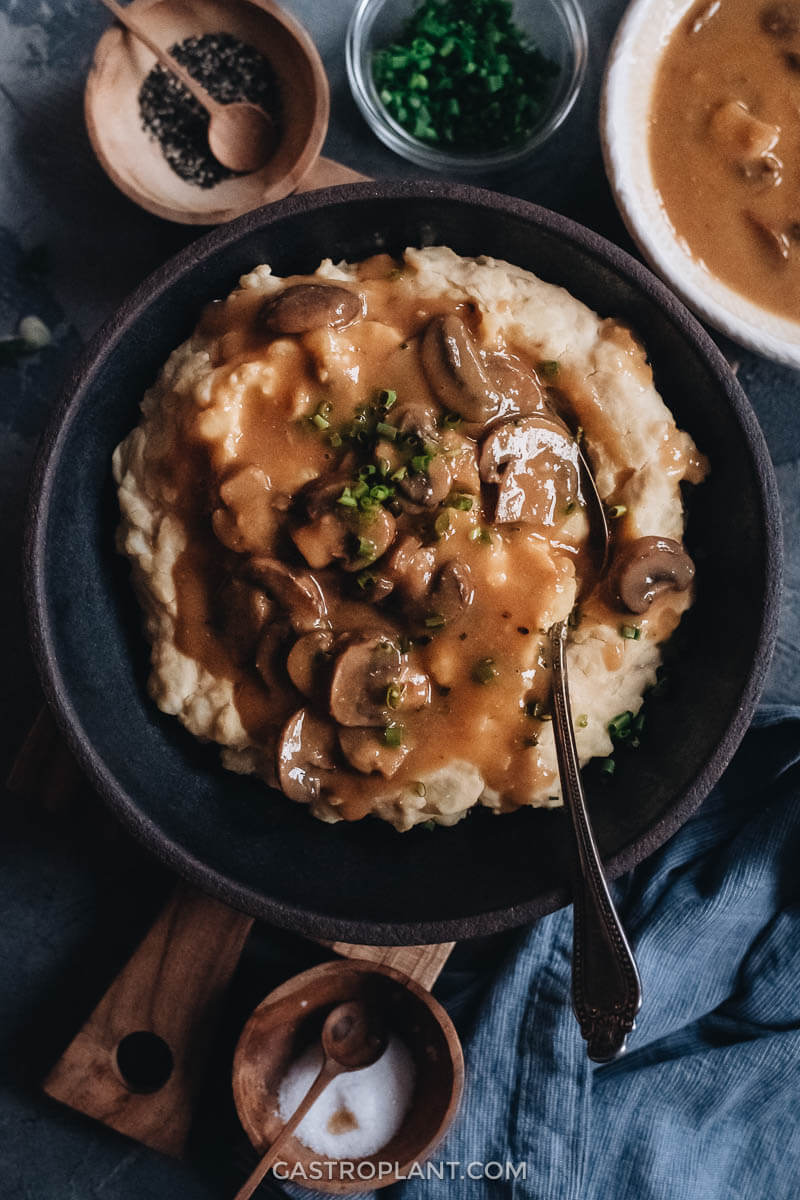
(606, 990)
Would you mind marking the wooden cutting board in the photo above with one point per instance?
(139, 1061)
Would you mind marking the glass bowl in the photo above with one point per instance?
(556, 26)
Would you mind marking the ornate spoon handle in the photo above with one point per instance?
(606, 992)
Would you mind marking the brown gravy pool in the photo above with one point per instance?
(727, 87)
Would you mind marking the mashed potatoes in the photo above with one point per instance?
(356, 503)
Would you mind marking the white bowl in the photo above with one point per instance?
(632, 67)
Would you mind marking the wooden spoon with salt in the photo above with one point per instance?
(241, 135)
(350, 1040)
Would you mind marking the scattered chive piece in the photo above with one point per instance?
(550, 368)
(365, 579)
(320, 421)
(442, 523)
(618, 510)
(582, 721)
(399, 474)
(429, 825)
(434, 621)
(461, 501)
(335, 440)
(631, 632)
(387, 431)
(393, 735)
(367, 549)
(420, 789)
(619, 727)
(347, 499)
(484, 670)
(394, 694)
(420, 463)
(479, 534)
(609, 766)
(387, 397)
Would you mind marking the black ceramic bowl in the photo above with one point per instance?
(365, 882)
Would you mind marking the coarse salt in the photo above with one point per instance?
(360, 1111)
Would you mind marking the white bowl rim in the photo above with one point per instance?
(750, 325)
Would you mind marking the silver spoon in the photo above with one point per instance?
(606, 990)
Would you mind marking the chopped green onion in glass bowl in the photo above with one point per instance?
(466, 86)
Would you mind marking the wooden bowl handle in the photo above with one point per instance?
(169, 994)
(325, 173)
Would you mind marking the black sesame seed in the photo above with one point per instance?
(229, 70)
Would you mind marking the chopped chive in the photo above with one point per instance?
(399, 474)
(618, 510)
(442, 523)
(335, 440)
(419, 788)
(461, 501)
(631, 632)
(394, 695)
(582, 721)
(387, 431)
(434, 621)
(549, 368)
(450, 420)
(320, 421)
(387, 397)
(420, 463)
(479, 534)
(619, 727)
(367, 549)
(365, 579)
(347, 499)
(609, 766)
(394, 735)
(429, 825)
(365, 471)
(484, 670)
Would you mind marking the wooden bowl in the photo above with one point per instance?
(135, 162)
(291, 1018)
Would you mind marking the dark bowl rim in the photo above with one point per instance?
(176, 856)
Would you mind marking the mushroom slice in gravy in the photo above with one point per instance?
(534, 463)
(309, 306)
(457, 376)
(306, 756)
(297, 591)
(649, 566)
(368, 673)
(367, 751)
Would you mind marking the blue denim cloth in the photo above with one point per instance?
(704, 1106)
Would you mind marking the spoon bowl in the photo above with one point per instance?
(292, 1017)
(241, 136)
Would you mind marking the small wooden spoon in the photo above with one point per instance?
(350, 1041)
(241, 136)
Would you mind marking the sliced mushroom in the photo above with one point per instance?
(297, 591)
(430, 487)
(418, 420)
(372, 537)
(453, 590)
(306, 756)
(270, 657)
(455, 372)
(306, 306)
(781, 20)
(306, 661)
(535, 463)
(361, 678)
(649, 566)
(245, 520)
(366, 750)
(322, 540)
(409, 567)
(242, 610)
(741, 137)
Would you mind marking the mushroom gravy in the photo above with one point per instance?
(371, 482)
(724, 148)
